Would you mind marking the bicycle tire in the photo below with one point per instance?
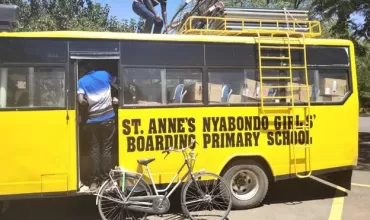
(190, 14)
(206, 6)
(117, 178)
(225, 192)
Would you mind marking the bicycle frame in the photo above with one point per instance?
(137, 199)
(157, 191)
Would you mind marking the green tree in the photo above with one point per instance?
(56, 15)
(342, 11)
(289, 4)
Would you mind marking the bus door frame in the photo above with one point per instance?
(74, 60)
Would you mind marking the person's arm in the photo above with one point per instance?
(164, 13)
(112, 80)
(80, 94)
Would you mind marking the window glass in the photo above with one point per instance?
(228, 85)
(273, 87)
(184, 86)
(323, 86)
(148, 86)
(142, 86)
(329, 85)
(32, 87)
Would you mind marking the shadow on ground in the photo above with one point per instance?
(289, 192)
(364, 151)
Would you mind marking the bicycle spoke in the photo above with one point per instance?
(201, 198)
(111, 200)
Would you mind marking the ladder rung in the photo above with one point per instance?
(282, 47)
(277, 87)
(276, 114)
(302, 127)
(283, 67)
(298, 106)
(276, 77)
(276, 97)
(296, 146)
(276, 58)
(285, 87)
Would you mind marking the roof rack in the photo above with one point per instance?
(254, 22)
(8, 16)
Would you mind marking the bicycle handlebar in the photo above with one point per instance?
(171, 149)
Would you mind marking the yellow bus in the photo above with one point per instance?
(258, 115)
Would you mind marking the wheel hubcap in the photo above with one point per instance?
(244, 185)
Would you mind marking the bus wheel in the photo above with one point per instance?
(248, 184)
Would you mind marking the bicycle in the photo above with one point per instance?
(129, 202)
(199, 8)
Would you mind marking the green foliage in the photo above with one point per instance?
(289, 4)
(59, 15)
(342, 10)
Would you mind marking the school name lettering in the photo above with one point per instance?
(157, 134)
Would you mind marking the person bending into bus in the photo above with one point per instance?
(145, 9)
(94, 90)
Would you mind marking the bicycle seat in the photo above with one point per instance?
(146, 161)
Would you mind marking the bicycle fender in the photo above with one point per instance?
(202, 171)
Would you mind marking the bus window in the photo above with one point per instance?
(142, 86)
(225, 86)
(232, 86)
(184, 86)
(329, 85)
(32, 87)
(300, 93)
(324, 86)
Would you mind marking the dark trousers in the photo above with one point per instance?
(101, 140)
(142, 10)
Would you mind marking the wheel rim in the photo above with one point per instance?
(244, 185)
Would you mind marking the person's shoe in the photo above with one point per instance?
(93, 187)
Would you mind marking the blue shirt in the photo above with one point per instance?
(95, 86)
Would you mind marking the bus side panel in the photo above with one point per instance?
(227, 132)
(35, 153)
(141, 136)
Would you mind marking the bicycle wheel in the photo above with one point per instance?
(186, 9)
(209, 193)
(109, 205)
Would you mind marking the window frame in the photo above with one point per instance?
(205, 79)
(122, 105)
(348, 93)
(43, 65)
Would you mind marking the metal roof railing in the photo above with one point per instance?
(253, 22)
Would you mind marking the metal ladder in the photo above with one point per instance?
(265, 43)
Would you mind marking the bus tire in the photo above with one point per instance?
(248, 184)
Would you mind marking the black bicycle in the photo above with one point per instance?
(128, 196)
(209, 8)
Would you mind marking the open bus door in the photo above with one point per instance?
(111, 65)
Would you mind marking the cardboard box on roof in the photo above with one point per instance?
(331, 86)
